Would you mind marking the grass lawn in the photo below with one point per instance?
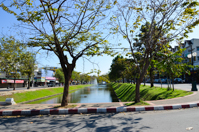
(31, 95)
(126, 92)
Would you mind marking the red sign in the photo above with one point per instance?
(19, 81)
(12, 81)
(3, 81)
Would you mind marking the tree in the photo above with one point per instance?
(160, 22)
(85, 78)
(103, 78)
(75, 76)
(117, 68)
(130, 70)
(11, 52)
(172, 65)
(59, 75)
(67, 28)
(27, 65)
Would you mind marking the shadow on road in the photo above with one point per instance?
(74, 123)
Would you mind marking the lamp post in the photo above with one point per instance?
(194, 87)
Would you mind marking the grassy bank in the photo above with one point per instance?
(126, 92)
(31, 95)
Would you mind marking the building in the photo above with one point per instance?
(44, 76)
(192, 49)
(8, 81)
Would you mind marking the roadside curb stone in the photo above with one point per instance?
(60, 111)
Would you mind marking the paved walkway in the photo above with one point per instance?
(193, 98)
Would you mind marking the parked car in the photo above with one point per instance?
(179, 80)
(156, 80)
(163, 80)
(148, 81)
(51, 85)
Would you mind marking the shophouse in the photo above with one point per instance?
(7, 81)
(45, 76)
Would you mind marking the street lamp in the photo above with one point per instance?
(194, 87)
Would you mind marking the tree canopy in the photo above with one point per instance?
(154, 24)
(69, 28)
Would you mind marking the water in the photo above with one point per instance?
(93, 94)
(95, 82)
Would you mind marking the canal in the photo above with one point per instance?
(93, 94)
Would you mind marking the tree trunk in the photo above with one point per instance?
(137, 92)
(151, 75)
(138, 82)
(168, 88)
(170, 82)
(173, 83)
(14, 83)
(28, 82)
(65, 93)
(144, 80)
(160, 81)
(67, 77)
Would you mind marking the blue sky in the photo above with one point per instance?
(7, 28)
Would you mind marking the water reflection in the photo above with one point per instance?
(93, 94)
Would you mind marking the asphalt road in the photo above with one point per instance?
(183, 86)
(24, 88)
(152, 121)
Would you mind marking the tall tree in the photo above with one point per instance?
(66, 27)
(161, 20)
(27, 65)
(117, 68)
(171, 64)
(10, 57)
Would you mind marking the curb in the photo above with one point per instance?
(53, 111)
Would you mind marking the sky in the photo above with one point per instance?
(7, 28)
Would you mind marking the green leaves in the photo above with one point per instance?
(11, 56)
(171, 63)
(60, 75)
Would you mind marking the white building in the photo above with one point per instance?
(192, 46)
(192, 50)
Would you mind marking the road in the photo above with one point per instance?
(182, 86)
(151, 121)
(24, 88)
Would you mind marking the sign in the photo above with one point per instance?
(19, 81)
(3, 81)
(50, 78)
(12, 81)
(41, 80)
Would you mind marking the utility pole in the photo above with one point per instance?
(194, 87)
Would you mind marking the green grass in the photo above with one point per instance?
(46, 99)
(126, 92)
(31, 95)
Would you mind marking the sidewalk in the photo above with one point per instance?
(29, 109)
